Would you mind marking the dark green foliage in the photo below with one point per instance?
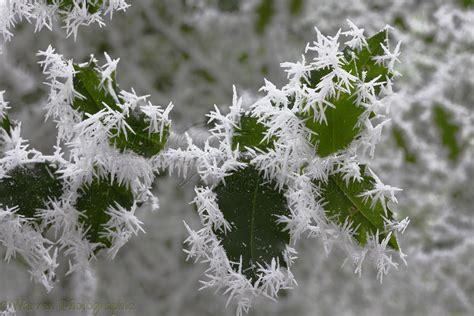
(295, 6)
(141, 142)
(205, 75)
(340, 129)
(87, 83)
(265, 13)
(250, 134)
(30, 187)
(94, 200)
(401, 142)
(358, 61)
(6, 124)
(252, 206)
(344, 202)
(364, 59)
(228, 5)
(448, 132)
(187, 28)
(467, 3)
(399, 23)
(316, 75)
(92, 6)
(243, 58)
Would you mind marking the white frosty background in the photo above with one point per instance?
(191, 52)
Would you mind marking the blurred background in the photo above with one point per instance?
(191, 52)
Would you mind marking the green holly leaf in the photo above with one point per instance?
(6, 124)
(67, 5)
(252, 205)
(363, 60)
(250, 133)
(315, 77)
(141, 142)
(343, 202)
(87, 83)
(339, 129)
(94, 200)
(358, 61)
(448, 132)
(30, 186)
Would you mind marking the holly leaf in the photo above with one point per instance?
(358, 61)
(94, 200)
(67, 5)
(363, 60)
(6, 124)
(339, 130)
(252, 206)
(30, 187)
(141, 142)
(343, 202)
(87, 83)
(250, 133)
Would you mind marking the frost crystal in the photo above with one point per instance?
(74, 13)
(293, 163)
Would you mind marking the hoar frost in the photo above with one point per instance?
(293, 160)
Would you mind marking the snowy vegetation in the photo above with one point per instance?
(273, 193)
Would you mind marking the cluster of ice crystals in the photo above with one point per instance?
(294, 165)
(42, 13)
(90, 156)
